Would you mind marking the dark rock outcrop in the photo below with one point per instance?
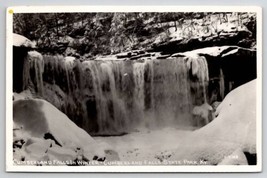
(239, 66)
(242, 38)
(19, 55)
(21, 46)
(229, 67)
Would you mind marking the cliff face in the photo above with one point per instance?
(85, 35)
(21, 47)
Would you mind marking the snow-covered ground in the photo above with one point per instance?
(146, 147)
(223, 141)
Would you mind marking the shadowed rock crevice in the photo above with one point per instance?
(51, 137)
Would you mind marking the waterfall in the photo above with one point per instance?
(139, 85)
(199, 71)
(204, 75)
(108, 97)
(115, 105)
(102, 92)
(171, 90)
(33, 71)
(68, 68)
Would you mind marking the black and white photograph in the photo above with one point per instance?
(134, 89)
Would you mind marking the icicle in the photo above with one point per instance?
(204, 76)
(36, 64)
(222, 87)
(199, 68)
(68, 66)
(139, 80)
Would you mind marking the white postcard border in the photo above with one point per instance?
(50, 9)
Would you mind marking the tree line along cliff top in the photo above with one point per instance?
(90, 34)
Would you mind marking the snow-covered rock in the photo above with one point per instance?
(237, 116)
(212, 51)
(26, 94)
(215, 51)
(21, 41)
(215, 104)
(61, 154)
(48, 133)
(37, 147)
(39, 117)
(202, 112)
(233, 128)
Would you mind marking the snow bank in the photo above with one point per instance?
(236, 118)
(234, 128)
(21, 41)
(147, 146)
(212, 51)
(50, 134)
(221, 142)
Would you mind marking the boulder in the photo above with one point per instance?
(38, 117)
(37, 120)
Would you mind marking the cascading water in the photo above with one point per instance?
(171, 93)
(32, 72)
(202, 69)
(199, 71)
(139, 85)
(113, 97)
(102, 101)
